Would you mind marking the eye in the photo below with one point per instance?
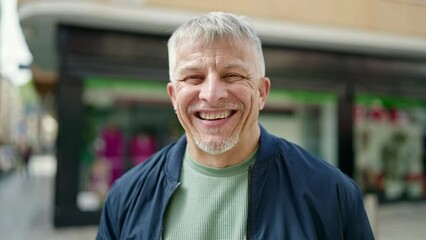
(193, 79)
(233, 77)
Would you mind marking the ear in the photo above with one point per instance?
(264, 87)
(171, 93)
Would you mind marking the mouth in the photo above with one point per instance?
(209, 116)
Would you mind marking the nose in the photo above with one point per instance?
(213, 89)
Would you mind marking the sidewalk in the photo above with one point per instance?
(26, 204)
(402, 221)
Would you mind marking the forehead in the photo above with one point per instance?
(219, 51)
(240, 49)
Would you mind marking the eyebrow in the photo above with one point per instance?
(188, 69)
(235, 66)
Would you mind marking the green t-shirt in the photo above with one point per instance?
(210, 203)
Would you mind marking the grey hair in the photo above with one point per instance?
(212, 27)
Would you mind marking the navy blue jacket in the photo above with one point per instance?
(292, 195)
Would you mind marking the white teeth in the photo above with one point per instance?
(212, 116)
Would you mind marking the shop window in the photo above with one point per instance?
(306, 118)
(125, 122)
(390, 147)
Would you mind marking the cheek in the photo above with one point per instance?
(245, 94)
(184, 96)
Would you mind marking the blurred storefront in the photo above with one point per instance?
(390, 147)
(11, 125)
(23, 124)
(357, 104)
(10, 111)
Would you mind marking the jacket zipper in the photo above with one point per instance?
(248, 228)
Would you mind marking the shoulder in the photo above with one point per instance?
(139, 190)
(300, 166)
(313, 183)
(314, 169)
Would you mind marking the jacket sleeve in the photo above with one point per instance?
(109, 226)
(357, 223)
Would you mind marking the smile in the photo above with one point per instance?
(216, 115)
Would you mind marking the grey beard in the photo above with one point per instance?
(215, 148)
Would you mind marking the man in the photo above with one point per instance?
(228, 178)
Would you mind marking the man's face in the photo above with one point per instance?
(218, 94)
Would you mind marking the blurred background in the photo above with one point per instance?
(83, 99)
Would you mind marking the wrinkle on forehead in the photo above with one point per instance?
(244, 45)
(220, 54)
(218, 44)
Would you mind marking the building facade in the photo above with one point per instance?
(348, 84)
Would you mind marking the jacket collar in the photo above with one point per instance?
(175, 159)
(267, 149)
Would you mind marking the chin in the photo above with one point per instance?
(218, 146)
